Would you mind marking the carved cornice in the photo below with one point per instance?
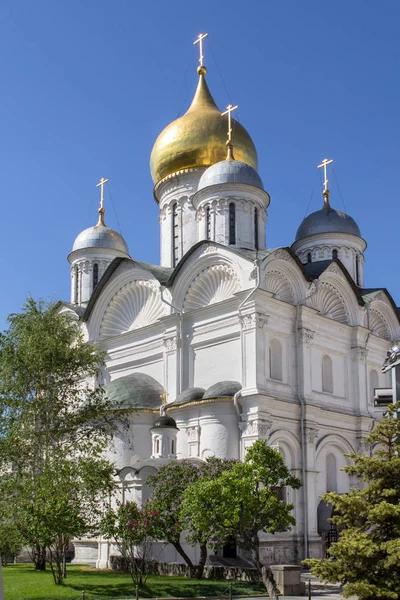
(312, 435)
(251, 321)
(256, 428)
(359, 354)
(171, 343)
(306, 335)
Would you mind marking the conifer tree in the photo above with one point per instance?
(366, 558)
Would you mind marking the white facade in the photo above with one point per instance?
(272, 345)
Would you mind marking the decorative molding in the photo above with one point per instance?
(257, 427)
(334, 268)
(277, 283)
(213, 284)
(363, 446)
(377, 324)
(359, 353)
(330, 303)
(312, 435)
(306, 335)
(210, 249)
(253, 320)
(135, 305)
(282, 254)
(193, 433)
(171, 343)
(215, 325)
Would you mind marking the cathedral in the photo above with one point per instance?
(226, 341)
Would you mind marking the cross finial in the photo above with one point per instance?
(163, 397)
(229, 143)
(325, 191)
(101, 209)
(199, 41)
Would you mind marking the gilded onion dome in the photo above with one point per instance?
(198, 138)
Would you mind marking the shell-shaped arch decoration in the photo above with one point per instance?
(277, 283)
(377, 324)
(135, 305)
(214, 284)
(330, 303)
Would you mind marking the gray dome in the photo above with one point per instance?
(327, 220)
(230, 171)
(100, 236)
(223, 388)
(165, 421)
(189, 395)
(136, 390)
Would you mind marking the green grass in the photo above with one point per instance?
(21, 582)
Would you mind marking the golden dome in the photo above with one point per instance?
(198, 138)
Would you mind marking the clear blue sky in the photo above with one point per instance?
(87, 85)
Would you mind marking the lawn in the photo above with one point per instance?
(21, 582)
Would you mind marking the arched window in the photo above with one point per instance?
(275, 360)
(309, 257)
(334, 254)
(357, 270)
(208, 222)
(76, 282)
(175, 235)
(256, 228)
(373, 383)
(95, 275)
(232, 224)
(331, 473)
(327, 375)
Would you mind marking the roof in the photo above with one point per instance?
(136, 390)
(230, 171)
(327, 220)
(165, 421)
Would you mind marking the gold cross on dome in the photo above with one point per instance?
(164, 397)
(101, 186)
(229, 110)
(324, 164)
(199, 41)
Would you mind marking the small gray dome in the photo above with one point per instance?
(189, 395)
(100, 236)
(136, 390)
(165, 421)
(327, 220)
(230, 171)
(223, 388)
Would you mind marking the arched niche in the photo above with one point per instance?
(214, 284)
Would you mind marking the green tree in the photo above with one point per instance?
(366, 558)
(168, 488)
(11, 541)
(132, 529)
(241, 502)
(54, 426)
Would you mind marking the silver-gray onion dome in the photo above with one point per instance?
(327, 220)
(100, 236)
(230, 171)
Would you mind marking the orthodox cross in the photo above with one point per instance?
(199, 41)
(324, 164)
(229, 110)
(101, 186)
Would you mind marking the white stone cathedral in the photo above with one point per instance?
(244, 343)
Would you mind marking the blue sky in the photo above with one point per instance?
(88, 85)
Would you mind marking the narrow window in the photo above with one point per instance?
(232, 224)
(175, 235)
(76, 290)
(327, 375)
(95, 275)
(334, 254)
(256, 228)
(275, 360)
(158, 447)
(173, 447)
(309, 257)
(373, 383)
(208, 222)
(331, 473)
(357, 270)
